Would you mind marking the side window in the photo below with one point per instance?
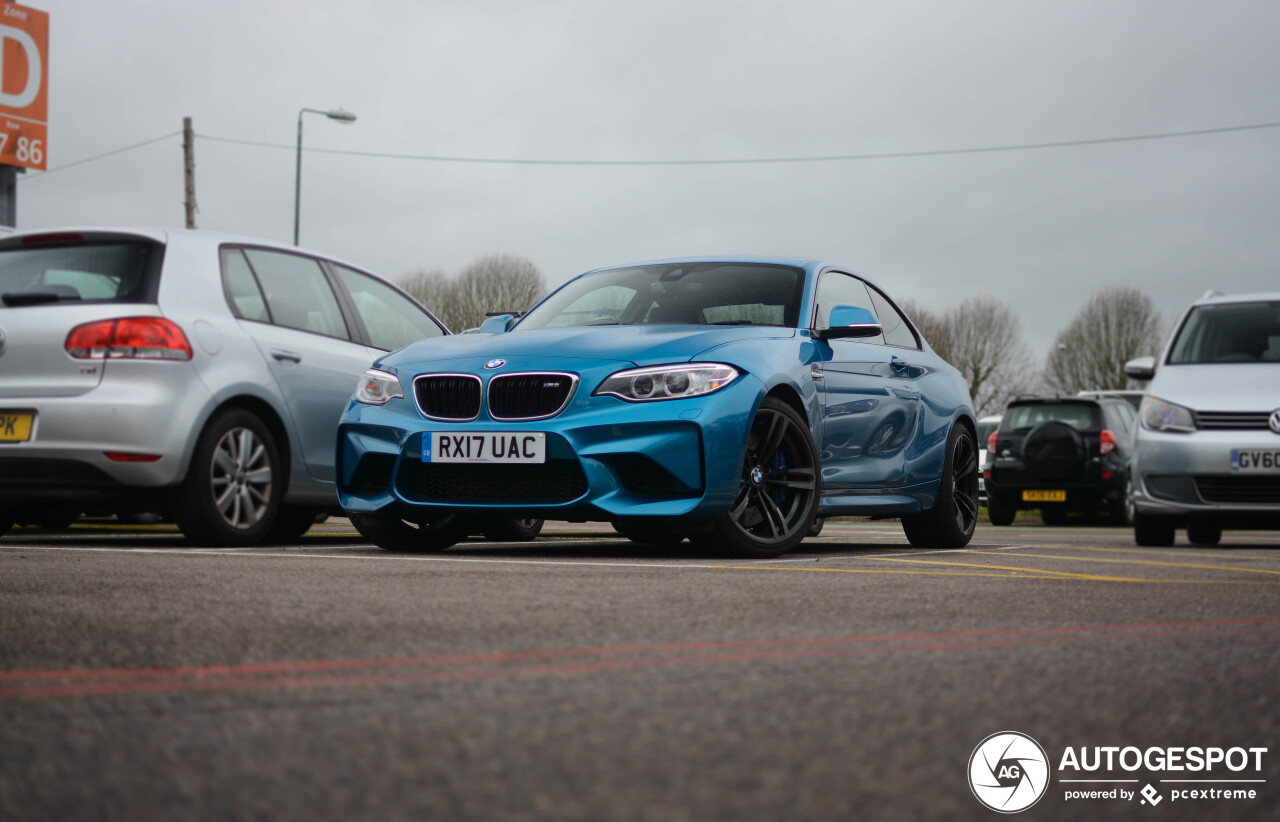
(836, 289)
(242, 288)
(897, 331)
(392, 319)
(297, 293)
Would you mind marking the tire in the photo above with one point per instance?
(778, 489)
(291, 522)
(513, 530)
(395, 534)
(233, 487)
(1204, 533)
(6, 521)
(650, 530)
(999, 511)
(815, 527)
(955, 515)
(1152, 532)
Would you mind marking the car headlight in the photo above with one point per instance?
(377, 387)
(1158, 415)
(668, 382)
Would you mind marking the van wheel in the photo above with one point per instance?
(1204, 533)
(1153, 532)
(232, 491)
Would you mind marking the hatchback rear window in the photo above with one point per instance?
(117, 272)
(1082, 416)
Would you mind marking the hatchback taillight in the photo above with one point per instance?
(1106, 442)
(991, 442)
(138, 338)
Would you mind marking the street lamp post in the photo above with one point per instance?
(335, 114)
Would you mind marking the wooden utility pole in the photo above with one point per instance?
(189, 168)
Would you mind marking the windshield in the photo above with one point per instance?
(1229, 332)
(684, 294)
(122, 272)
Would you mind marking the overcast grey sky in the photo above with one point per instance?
(696, 80)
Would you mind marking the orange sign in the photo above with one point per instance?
(24, 86)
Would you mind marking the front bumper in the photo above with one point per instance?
(606, 458)
(1191, 476)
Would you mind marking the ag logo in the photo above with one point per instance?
(1008, 772)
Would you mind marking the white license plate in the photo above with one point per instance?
(485, 446)
(1256, 461)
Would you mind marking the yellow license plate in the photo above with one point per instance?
(15, 427)
(1044, 496)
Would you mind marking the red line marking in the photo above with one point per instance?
(392, 671)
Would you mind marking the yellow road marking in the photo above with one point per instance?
(1021, 573)
(1157, 563)
(1176, 553)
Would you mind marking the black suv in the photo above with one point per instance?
(1061, 454)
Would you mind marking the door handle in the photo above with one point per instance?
(286, 356)
(899, 365)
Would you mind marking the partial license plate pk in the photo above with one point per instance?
(15, 426)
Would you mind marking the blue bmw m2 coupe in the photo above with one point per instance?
(730, 401)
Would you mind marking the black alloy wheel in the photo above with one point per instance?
(395, 534)
(233, 487)
(779, 489)
(955, 515)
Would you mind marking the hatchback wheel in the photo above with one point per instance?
(232, 491)
(394, 534)
(291, 522)
(778, 491)
(513, 530)
(955, 514)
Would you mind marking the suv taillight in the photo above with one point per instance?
(1106, 442)
(991, 442)
(139, 338)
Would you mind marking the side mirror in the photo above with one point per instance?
(1142, 368)
(849, 321)
(496, 325)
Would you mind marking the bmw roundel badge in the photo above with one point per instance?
(492, 364)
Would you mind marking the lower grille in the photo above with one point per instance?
(1243, 490)
(552, 482)
(373, 474)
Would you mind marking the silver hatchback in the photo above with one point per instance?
(1207, 453)
(187, 372)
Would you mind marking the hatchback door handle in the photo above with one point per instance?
(286, 356)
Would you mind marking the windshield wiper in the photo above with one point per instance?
(34, 298)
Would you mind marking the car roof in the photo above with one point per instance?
(1214, 297)
(163, 235)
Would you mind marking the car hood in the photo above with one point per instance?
(1219, 387)
(640, 345)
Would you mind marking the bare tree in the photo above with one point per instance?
(499, 282)
(981, 337)
(1116, 325)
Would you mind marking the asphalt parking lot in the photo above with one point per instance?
(583, 677)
